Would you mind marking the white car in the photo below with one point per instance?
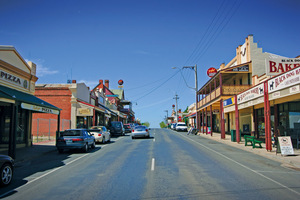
(101, 134)
(140, 131)
(181, 126)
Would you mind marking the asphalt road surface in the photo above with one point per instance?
(168, 165)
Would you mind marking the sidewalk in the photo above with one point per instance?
(287, 161)
(26, 154)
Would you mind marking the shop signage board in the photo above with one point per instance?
(84, 112)
(228, 102)
(286, 146)
(12, 79)
(211, 72)
(244, 68)
(285, 80)
(276, 66)
(39, 108)
(251, 94)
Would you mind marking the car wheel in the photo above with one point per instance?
(93, 145)
(6, 174)
(103, 140)
(85, 148)
(132, 137)
(60, 150)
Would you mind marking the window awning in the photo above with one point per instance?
(28, 101)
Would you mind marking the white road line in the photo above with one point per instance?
(244, 166)
(50, 172)
(152, 164)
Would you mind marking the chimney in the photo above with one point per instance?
(73, 81)
(107, 84)
(101, 82)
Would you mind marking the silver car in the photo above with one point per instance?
(140, 131)
(75, 139)
(100, 133)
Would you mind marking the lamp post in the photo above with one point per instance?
(196, 86)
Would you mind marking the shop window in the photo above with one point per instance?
(23, 116)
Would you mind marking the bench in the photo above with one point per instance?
(253, 141)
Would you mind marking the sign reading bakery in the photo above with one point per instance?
(275, 66)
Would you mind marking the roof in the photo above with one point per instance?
(119, 92)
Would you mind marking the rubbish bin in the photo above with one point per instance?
(233, 133)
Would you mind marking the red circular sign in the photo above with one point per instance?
(120, 82)
(211, 72)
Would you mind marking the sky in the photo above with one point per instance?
(146, 43)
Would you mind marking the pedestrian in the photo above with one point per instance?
(278, 133)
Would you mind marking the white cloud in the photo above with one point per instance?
(41, 70)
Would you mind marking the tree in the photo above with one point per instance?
(146, 124)
(162, 124)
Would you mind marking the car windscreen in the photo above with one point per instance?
(117, 125)
(94, 130)
(181, 125)
(71, 133)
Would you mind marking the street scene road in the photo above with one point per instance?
(168, 165)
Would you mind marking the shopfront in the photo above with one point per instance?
(17, 102)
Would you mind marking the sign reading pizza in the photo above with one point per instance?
(211, 72)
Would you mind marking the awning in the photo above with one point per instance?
(28, 101)
(190, 115)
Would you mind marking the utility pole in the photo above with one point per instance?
(176, 98)
(167, 116)
(196, 88)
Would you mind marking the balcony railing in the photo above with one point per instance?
(227, 90)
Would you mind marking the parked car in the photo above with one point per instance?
(75, 139)
(127, 128)
(116, 128)
(101, 134)
(173, 126)
(7, 170)
(140, 131)
(181, 126)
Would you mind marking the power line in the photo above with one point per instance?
(156, 87)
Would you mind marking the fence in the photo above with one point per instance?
(45, 129)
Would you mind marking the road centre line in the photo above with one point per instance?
(244, 166)
(152, 164)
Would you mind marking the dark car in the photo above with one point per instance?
(7, 169)
(116, 128)
(127, 128)
(75, 139)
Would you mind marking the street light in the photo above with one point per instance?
(196, 85)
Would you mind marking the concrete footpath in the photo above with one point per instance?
(42, 148)
(287, 161)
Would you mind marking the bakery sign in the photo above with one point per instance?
(251, 94)
(276, 66)
(285, 80)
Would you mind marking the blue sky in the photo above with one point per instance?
(140, 41)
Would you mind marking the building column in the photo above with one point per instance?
(222, 119)
(237, 121)
(267, 112)
(211, 116)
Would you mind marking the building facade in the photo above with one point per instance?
(17, 101)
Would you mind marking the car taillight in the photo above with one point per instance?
(132, 130)
(146, 130)
(77, 139)
(99, 134)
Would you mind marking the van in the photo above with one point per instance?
(116, 128)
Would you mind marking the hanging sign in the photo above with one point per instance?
(211, 72)
(286, 146)
(39, 108)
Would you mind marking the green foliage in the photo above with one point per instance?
(146, 124)
(162, 125)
